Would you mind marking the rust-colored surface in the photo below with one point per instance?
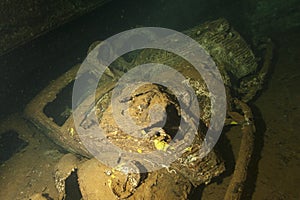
(29, 171)
(61, 135)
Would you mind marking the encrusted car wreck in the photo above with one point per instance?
(51, 112)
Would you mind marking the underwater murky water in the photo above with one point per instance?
(274, 171)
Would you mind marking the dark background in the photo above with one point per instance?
(28, 68)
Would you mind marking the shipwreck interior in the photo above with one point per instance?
(254, 45)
